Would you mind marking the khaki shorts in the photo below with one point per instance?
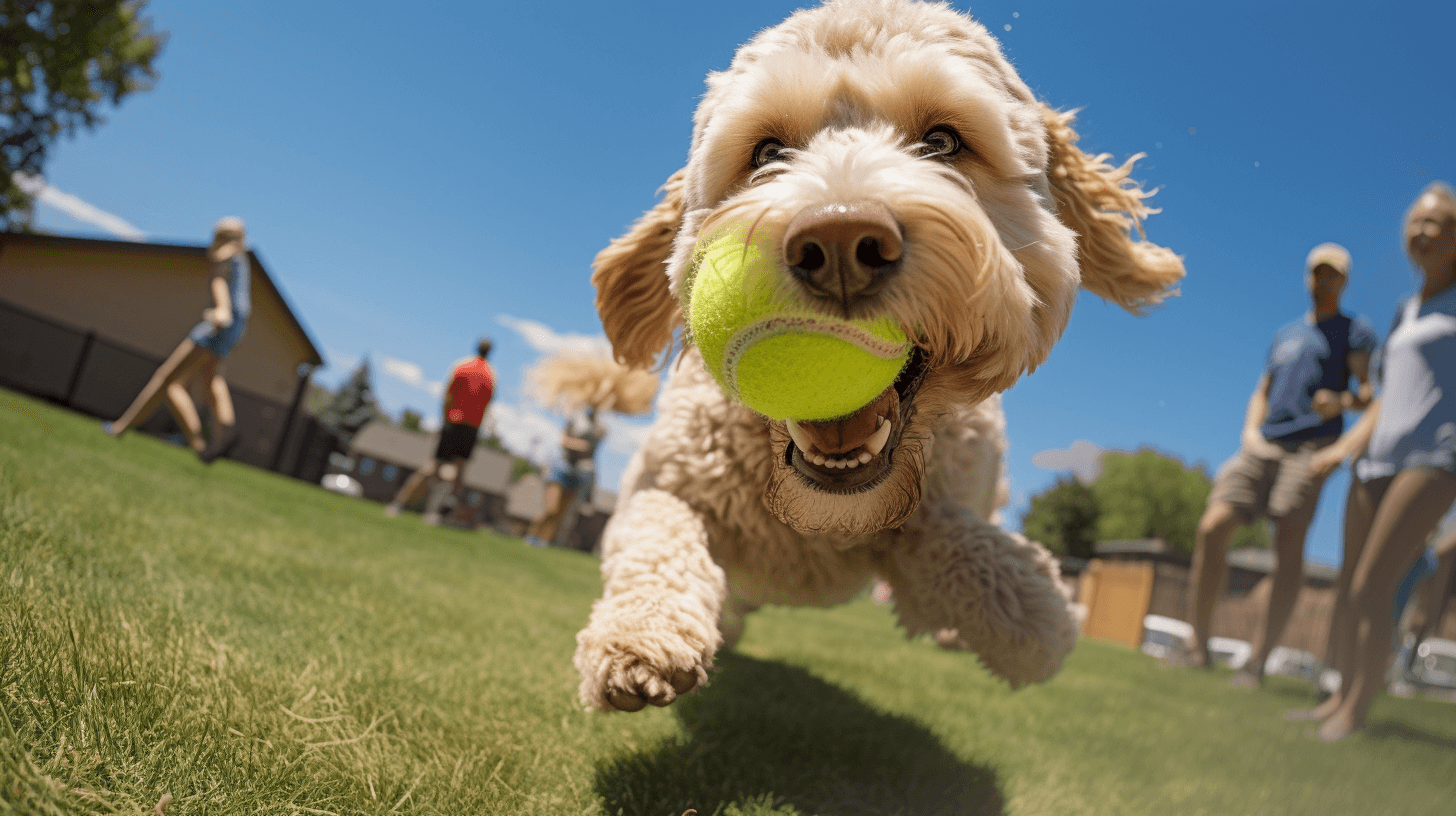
(1282, 488)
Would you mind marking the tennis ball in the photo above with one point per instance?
(781, 359)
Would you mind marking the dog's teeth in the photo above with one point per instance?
(851, 463)
(865, 457)
(817, 459)
(877, 440)
(797, 434)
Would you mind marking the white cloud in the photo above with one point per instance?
(525, 431)
(1083, 458)
(36, 187)
(412, 374)
(547, 341)
(625, 436)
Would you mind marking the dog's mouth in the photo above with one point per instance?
(855, 453)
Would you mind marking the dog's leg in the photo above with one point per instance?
(653, 634)
(980, 588)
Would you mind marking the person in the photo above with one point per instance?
(1405, 473)
(198, 359)
(571, 480)
(472, 383)
(1427, 586)
(1296, 410)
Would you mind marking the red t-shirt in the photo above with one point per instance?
(471, 386)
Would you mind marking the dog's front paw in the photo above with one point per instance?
(630, 656)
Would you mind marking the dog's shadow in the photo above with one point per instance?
(769, 735)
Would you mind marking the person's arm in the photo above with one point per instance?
(1252, 439)
(1359, 362)
(221, 314)
(572, 443)
(1351, 443)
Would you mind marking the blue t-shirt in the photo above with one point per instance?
(1304, 358)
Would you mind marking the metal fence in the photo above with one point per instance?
(99, 376)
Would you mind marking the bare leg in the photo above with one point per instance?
(553, 506)
(1289, 536)
(418, 482)
(1360, 504)
(1210, 569)
(546, 531)
(218, 395)
(185, 411)
(1404, 518)
(155, 391)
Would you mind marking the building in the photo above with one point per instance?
(381, 457)
(85, 322)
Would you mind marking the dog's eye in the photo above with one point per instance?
(941, 141)
(768, 150)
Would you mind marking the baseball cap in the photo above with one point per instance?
(1329, 254)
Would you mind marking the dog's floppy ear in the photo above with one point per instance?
(636, 307)
(1103, 206)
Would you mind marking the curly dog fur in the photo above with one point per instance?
(907, 114)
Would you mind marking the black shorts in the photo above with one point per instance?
(456, 442)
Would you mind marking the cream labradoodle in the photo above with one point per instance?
(891, 155)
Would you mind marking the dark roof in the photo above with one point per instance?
(188, 250)
(489, 470)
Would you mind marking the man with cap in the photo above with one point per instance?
(1296, 409)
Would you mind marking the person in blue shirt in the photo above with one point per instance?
(1405, 467)
(1296, 410)
(197, 360)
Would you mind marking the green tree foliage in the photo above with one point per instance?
(1147, 494)
(410, 420)
(61, 61)
(353, 406)
(1064, 518)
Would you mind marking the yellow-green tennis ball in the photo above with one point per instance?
(780, 359)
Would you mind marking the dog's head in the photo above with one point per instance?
(892, 158)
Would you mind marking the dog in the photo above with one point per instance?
(900, 168)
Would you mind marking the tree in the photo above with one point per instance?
(353, 406)
(61, 61)
(1147, 494)
(1064, 518)
(410, 420)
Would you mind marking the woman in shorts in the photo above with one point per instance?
(1405, 480)
(198, 359)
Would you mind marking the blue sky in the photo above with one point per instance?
(414, 180)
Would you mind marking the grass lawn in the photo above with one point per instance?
(241, 643)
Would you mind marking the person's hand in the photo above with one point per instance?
(1255, 443)
(217, 317)
(1326, 460)
(1327, 403)
(1358, 400)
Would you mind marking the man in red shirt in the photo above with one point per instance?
(472, 382)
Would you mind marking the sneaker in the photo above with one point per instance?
(391, 510)
(432, 519)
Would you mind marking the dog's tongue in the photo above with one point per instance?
(847, 433)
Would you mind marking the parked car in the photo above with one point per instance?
(1293, 663)
(1230, 652)
(342, 483)
(1430, 668)
(1164, 636)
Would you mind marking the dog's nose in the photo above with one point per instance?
(844, 252)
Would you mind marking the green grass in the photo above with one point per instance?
(248, 644)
